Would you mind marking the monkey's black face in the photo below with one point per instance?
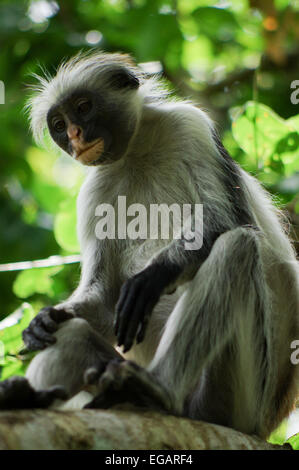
(91, 127)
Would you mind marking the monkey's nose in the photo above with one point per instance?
(74, 131)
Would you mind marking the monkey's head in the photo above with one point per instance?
(91, 107)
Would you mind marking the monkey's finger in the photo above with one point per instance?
(31, 342)
(49, 324)
(100, 401)
(122, 296)
(44, 398)
(128, 288)
(125, 314)
(120, 303)
(136, 318)
(60, 315)
(92, 374)
(116, 323)
(41, 334)
(104, 400)
(142, 329)
(59, 392)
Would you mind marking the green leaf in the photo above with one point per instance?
(11, 336)
(12, 367)
(48, 196)
(156, 35)
(36, 280)
(279, 435)
(216, 23)
(258, 130)
(197, 54)
(41, 163)
(289, 143)
(65, 226)
(293, 122)
(294, 441)
(281, 4)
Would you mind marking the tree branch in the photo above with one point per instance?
(117, 429)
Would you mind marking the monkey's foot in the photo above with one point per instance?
(126, 382)
(17, 393)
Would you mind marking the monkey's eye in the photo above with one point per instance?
(83, 106)
(59, 125)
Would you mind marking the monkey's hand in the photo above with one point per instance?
(138, 297)
(39, 334)
(17, 393)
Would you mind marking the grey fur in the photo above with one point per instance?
(221, 341)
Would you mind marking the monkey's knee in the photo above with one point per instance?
(244, 238)
(238, 248)
(64, 362)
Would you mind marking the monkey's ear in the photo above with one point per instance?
(124, 79)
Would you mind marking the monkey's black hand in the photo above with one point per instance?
(17, 393)
(39, 333)
(137, 300)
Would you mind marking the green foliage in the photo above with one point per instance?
(235, 60)
(10, 337)
(199, 44)
(37, 280)
(270, 142)
(65, 226)
(294, 441)
(278, 437)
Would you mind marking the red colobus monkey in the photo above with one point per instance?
(206, 333)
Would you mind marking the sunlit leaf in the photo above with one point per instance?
(65, 226)
(11, 335)
(41, 163)
(279, 435)
(36, 280)
(294, 441)
(48, 196)
(197, 54)
(258, 130)
(15, 367)
(294, 122)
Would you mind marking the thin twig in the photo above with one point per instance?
(40, 263)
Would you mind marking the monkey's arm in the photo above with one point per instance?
(225, 207)
(172, 267)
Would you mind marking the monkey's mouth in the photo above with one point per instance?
(90, 153)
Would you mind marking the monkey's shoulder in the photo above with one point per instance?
(187, 118)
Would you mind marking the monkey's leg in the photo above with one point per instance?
(77, 348)
(214, 351)
(227, 291)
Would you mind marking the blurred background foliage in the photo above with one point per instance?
(236, 58)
